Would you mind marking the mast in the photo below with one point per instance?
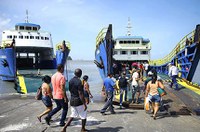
(26, 20)
(129, 27)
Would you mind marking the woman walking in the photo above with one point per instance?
(87, 93)
(152, 93)
(46, 96)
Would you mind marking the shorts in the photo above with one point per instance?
(78, 111)
(86, 95)
(155, 98)
(135, 89)
(47, 101)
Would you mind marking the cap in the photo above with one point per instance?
(150, 73)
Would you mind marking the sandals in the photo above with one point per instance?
(39, 118)
(154, 117)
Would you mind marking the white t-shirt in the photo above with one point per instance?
(173, 70)
(146, 66)
(134, 77)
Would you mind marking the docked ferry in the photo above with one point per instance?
(128, 49)
(111, 54)
(32, 48)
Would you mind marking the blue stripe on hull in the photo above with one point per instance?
(7, 64)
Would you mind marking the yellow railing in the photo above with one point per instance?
(66, 42)
(6, 43)
(101, 36)
(180, 46)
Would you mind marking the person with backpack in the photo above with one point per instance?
(123, 82)
(46, 96)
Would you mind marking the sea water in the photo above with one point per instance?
(33, 81)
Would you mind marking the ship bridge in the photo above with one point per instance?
(27, 27)
(132, 48)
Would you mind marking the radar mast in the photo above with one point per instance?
(129, 27)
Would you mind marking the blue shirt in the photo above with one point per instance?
(109, 84)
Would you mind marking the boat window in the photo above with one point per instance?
(34, 28)
(21, 27)
(37, 37)
(134, 52)
(31, 37)
(46, 38)
(115, 52)
(144, 52)
(129, 42)
(15, 36)
(137, 42)
(125, 42)
(42, 38)
(21, 37)
(121, 42)
(133, 42)
(9, 36)
(26, 37)
(123, 52)
(28, 28)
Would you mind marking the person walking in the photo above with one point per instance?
(135, 86)
(77, 101)
(123, 82)
(59, 95)
(109, 85)
(173, 73)
(46, 96)
(153, 95)
(87, 93)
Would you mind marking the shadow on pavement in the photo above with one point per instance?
(106, 129)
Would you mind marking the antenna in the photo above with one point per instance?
(26, 20)
(129, 27)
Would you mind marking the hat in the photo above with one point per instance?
(150, 73)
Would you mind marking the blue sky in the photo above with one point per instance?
(164, 22)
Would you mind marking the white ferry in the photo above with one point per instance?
(129, 49)
(33, 47)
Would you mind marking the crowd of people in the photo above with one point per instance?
(80, 94)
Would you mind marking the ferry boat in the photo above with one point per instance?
(104, 51)
(26, 47)
(186, 56)
(111, 54)
(128, 49)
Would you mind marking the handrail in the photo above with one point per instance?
(6, 43)
(100, 36)
(180, 46)
(68, 44)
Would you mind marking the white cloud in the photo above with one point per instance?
(4, 22)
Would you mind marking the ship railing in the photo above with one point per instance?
(67, 43)
(179, 47)
(101, 36)
(5, 43)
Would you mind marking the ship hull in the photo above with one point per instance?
(103, 54)
(7, 64)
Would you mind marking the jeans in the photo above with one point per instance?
(174, 81)
(60, 103)
(121, 94)
(108, 102)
